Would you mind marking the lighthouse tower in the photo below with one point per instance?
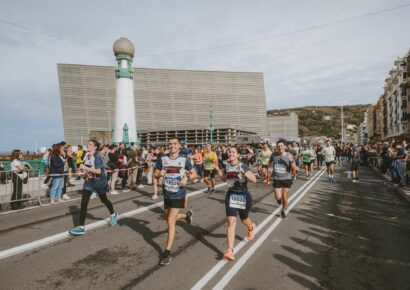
(125, 125)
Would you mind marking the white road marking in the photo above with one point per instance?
(202, 283)
(61, 236)
(245, 257)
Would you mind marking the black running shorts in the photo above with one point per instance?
(282, 183)
(209, 173)
(175, 203)
(232, 200)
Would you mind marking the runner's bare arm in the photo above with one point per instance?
(250, 176)
(191, 174)
(220, 173)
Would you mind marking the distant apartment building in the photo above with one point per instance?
(395, 98)
(363, 133)
(375, 122)
(283, 126)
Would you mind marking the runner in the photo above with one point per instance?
(282, 164)
(210, 160)
(238, 199)
(174, 169)
(265, 156)
(295, 151)
(307, 156)
(329, 153)
(95, 181)
(355, 163)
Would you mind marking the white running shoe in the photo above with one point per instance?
(44, 186)
(66, 197)
(94, 195)
(115, 192)
(140, 186)
(126, 190)
(52, 201)
(60, 200)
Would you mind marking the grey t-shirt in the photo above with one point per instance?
(282, 166)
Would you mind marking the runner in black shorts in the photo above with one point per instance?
(238, 200)
(174, 169)
(283, 164)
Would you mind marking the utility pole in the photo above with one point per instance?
(211, 128)
(343, 127)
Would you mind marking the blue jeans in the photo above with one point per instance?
(199, 170)
(57, 185)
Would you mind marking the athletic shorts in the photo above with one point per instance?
(287, 183)
(175, 203)
(265, 166)
(209, 173)
(355, 166)
(307, 163)
(238, 203)
(330, 163)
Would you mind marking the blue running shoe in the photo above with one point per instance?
(80, 230)
(113, 220)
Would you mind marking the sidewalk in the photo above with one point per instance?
(404, 192)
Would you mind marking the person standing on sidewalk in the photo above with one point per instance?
(113, 165)
(57, 170)
(95, 181)
(19, 172)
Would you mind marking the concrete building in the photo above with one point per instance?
(283, 126)
(165, 99)
(395, 98)
(363, 133)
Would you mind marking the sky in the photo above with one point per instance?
(316, 52)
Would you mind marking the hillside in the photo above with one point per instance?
(324, 120)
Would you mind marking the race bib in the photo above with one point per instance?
(171, 182)
(207, 164)
(280, 168)
(237, 201)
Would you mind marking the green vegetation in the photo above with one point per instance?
(324, 120)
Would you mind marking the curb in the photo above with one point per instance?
(396, 189)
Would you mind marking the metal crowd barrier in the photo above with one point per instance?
(18, 189)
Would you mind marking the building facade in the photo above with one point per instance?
(395, 98)
(283, 126)
(164, 98)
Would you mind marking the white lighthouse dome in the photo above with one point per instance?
(123, 46)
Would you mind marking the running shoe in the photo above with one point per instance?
(208, 190)
(333, 179)
(114, 192)
(80, 230)
(283, 214)
(213, 190)
(251, 233)
(126, 190)
(189, 216)
(165, 258)
(154, 196)
(93, 195)
(113, 219)
(228, 255)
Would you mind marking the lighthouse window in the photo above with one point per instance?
(124, 63)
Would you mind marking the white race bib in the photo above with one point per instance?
(237, 201)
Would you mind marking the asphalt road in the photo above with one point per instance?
(337, 236)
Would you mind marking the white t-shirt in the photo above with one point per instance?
(15, 164)
(329, 153)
